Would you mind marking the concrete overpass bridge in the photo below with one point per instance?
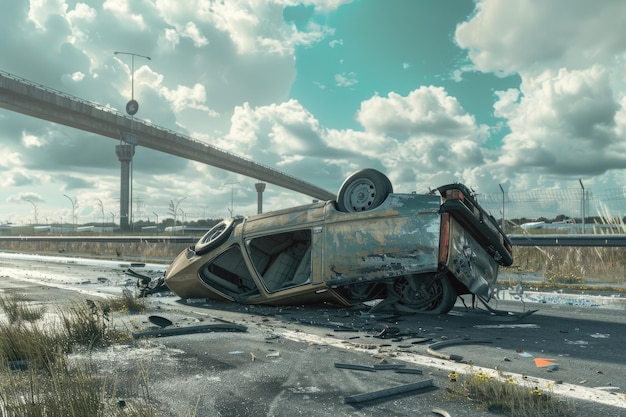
(23, 96)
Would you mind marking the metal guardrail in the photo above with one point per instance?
(617, 240)
(516, 240)
(102, 239)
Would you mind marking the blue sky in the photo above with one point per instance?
(527, 94)
(412, 45)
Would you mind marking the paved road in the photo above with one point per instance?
(285, 363)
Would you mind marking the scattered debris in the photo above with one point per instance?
(523, 354)
(147, 285)
(445, 343)
(401, 389)
(192, 329)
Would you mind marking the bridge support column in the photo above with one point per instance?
(260, 187)
(125, 154)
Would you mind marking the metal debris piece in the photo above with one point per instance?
(159, 321)
(387, 332)
(507, 326)
(401, 389)
(503, 315)
(440, 412)
(445, 343)
(192, 329)
(408, 371)
(386, 366)
(355, 367)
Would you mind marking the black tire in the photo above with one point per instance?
(434, 294)
(364, 190)
(214, 237)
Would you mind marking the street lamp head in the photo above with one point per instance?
(133, 54)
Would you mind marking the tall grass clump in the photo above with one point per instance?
(16, 308)
(89, 324)
(127, 303)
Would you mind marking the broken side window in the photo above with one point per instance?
(228, 273)
(283, 260)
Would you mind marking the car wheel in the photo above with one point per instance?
(214, 237)
(364, 190)
(433, 294)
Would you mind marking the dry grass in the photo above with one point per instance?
(503, 395)
(576, 265)
(572, 265)
(37, 379)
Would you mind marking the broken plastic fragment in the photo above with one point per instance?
(544, 363)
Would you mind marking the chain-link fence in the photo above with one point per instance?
(608, 205)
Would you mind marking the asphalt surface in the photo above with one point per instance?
(292, 360)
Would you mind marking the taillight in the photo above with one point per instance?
(454, 194)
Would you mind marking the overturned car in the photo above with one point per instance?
(415, 252)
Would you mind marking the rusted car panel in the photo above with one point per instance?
(400, 237)
(470, 263)
(415, 251)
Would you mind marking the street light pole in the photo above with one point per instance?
(35, 210)
(502, 189)
(176, 209)
(132, 72)
(232, 191)
(582, 205)
(73, 212)
(126, 149)
(156, 223)
(184, 219)
(101, 212)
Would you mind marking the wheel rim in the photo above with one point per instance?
(422, 294)
(216, 232)
(361, 195)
